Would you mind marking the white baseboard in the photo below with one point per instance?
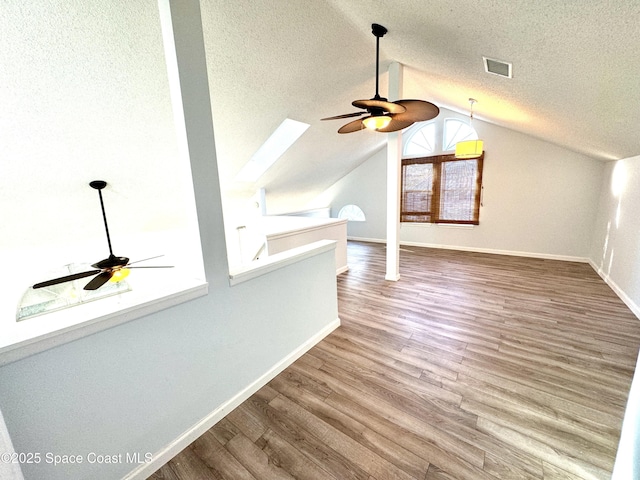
(186, 438)
(514, 253)
(342, 270)
(633, 306)
(493, 251)
(364, 239)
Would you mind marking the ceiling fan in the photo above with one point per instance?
(385, 116)
(111, 268)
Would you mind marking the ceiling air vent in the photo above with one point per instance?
(498, 67)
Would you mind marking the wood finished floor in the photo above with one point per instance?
(472, 366)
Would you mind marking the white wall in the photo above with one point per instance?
(137, 387)
(85, 96)
(539, 199)
(615, 254)
(615, 249)
(366, 186)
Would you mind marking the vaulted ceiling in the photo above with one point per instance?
(85, 96)
(574, 79)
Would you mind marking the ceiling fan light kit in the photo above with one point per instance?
(376, 122)
(385, 116)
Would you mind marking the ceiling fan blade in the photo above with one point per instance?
(128, 265)
(395, 125)
(67, 278)
(154, 266)
(100, 280)
(346, 115)
(417, 110)
(351, 127)
(143, 260)
(390, 107)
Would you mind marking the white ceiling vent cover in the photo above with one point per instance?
(498, 67)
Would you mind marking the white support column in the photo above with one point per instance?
(188, 82)
(394, 156)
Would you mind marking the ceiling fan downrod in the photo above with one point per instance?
(378, 31)
(112, 261)
(99, 185)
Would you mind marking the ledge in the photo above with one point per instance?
(279, 260)
(284, 228)
(34, 335)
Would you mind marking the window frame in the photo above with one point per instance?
(434, 214)
(469, 133)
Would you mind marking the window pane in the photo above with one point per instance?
(441, 189)
(457, 131)
(422, 142)
(417, 184)
(458, 190)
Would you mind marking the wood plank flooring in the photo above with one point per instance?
(472, 366)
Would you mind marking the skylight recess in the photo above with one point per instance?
(272, 149)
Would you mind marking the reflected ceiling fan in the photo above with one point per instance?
(385, 116)
(112, 268)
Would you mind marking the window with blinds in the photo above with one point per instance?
(441, 189)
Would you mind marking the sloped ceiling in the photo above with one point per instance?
(85, 96)
(574, 76)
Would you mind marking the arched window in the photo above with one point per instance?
(420, 141)
(352, 212)
(436, 136)
(456, 131)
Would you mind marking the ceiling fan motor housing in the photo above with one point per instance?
(378, 30)
(111, 262)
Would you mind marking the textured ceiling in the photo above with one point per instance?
(85, 96)
(574, 76)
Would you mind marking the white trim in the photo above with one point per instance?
(319, 224)
(365, 239)
(24, 348)
(321, 212)
(186, 438)
(279, 260)
(633, 306)
(513, 253)
(342, 269)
